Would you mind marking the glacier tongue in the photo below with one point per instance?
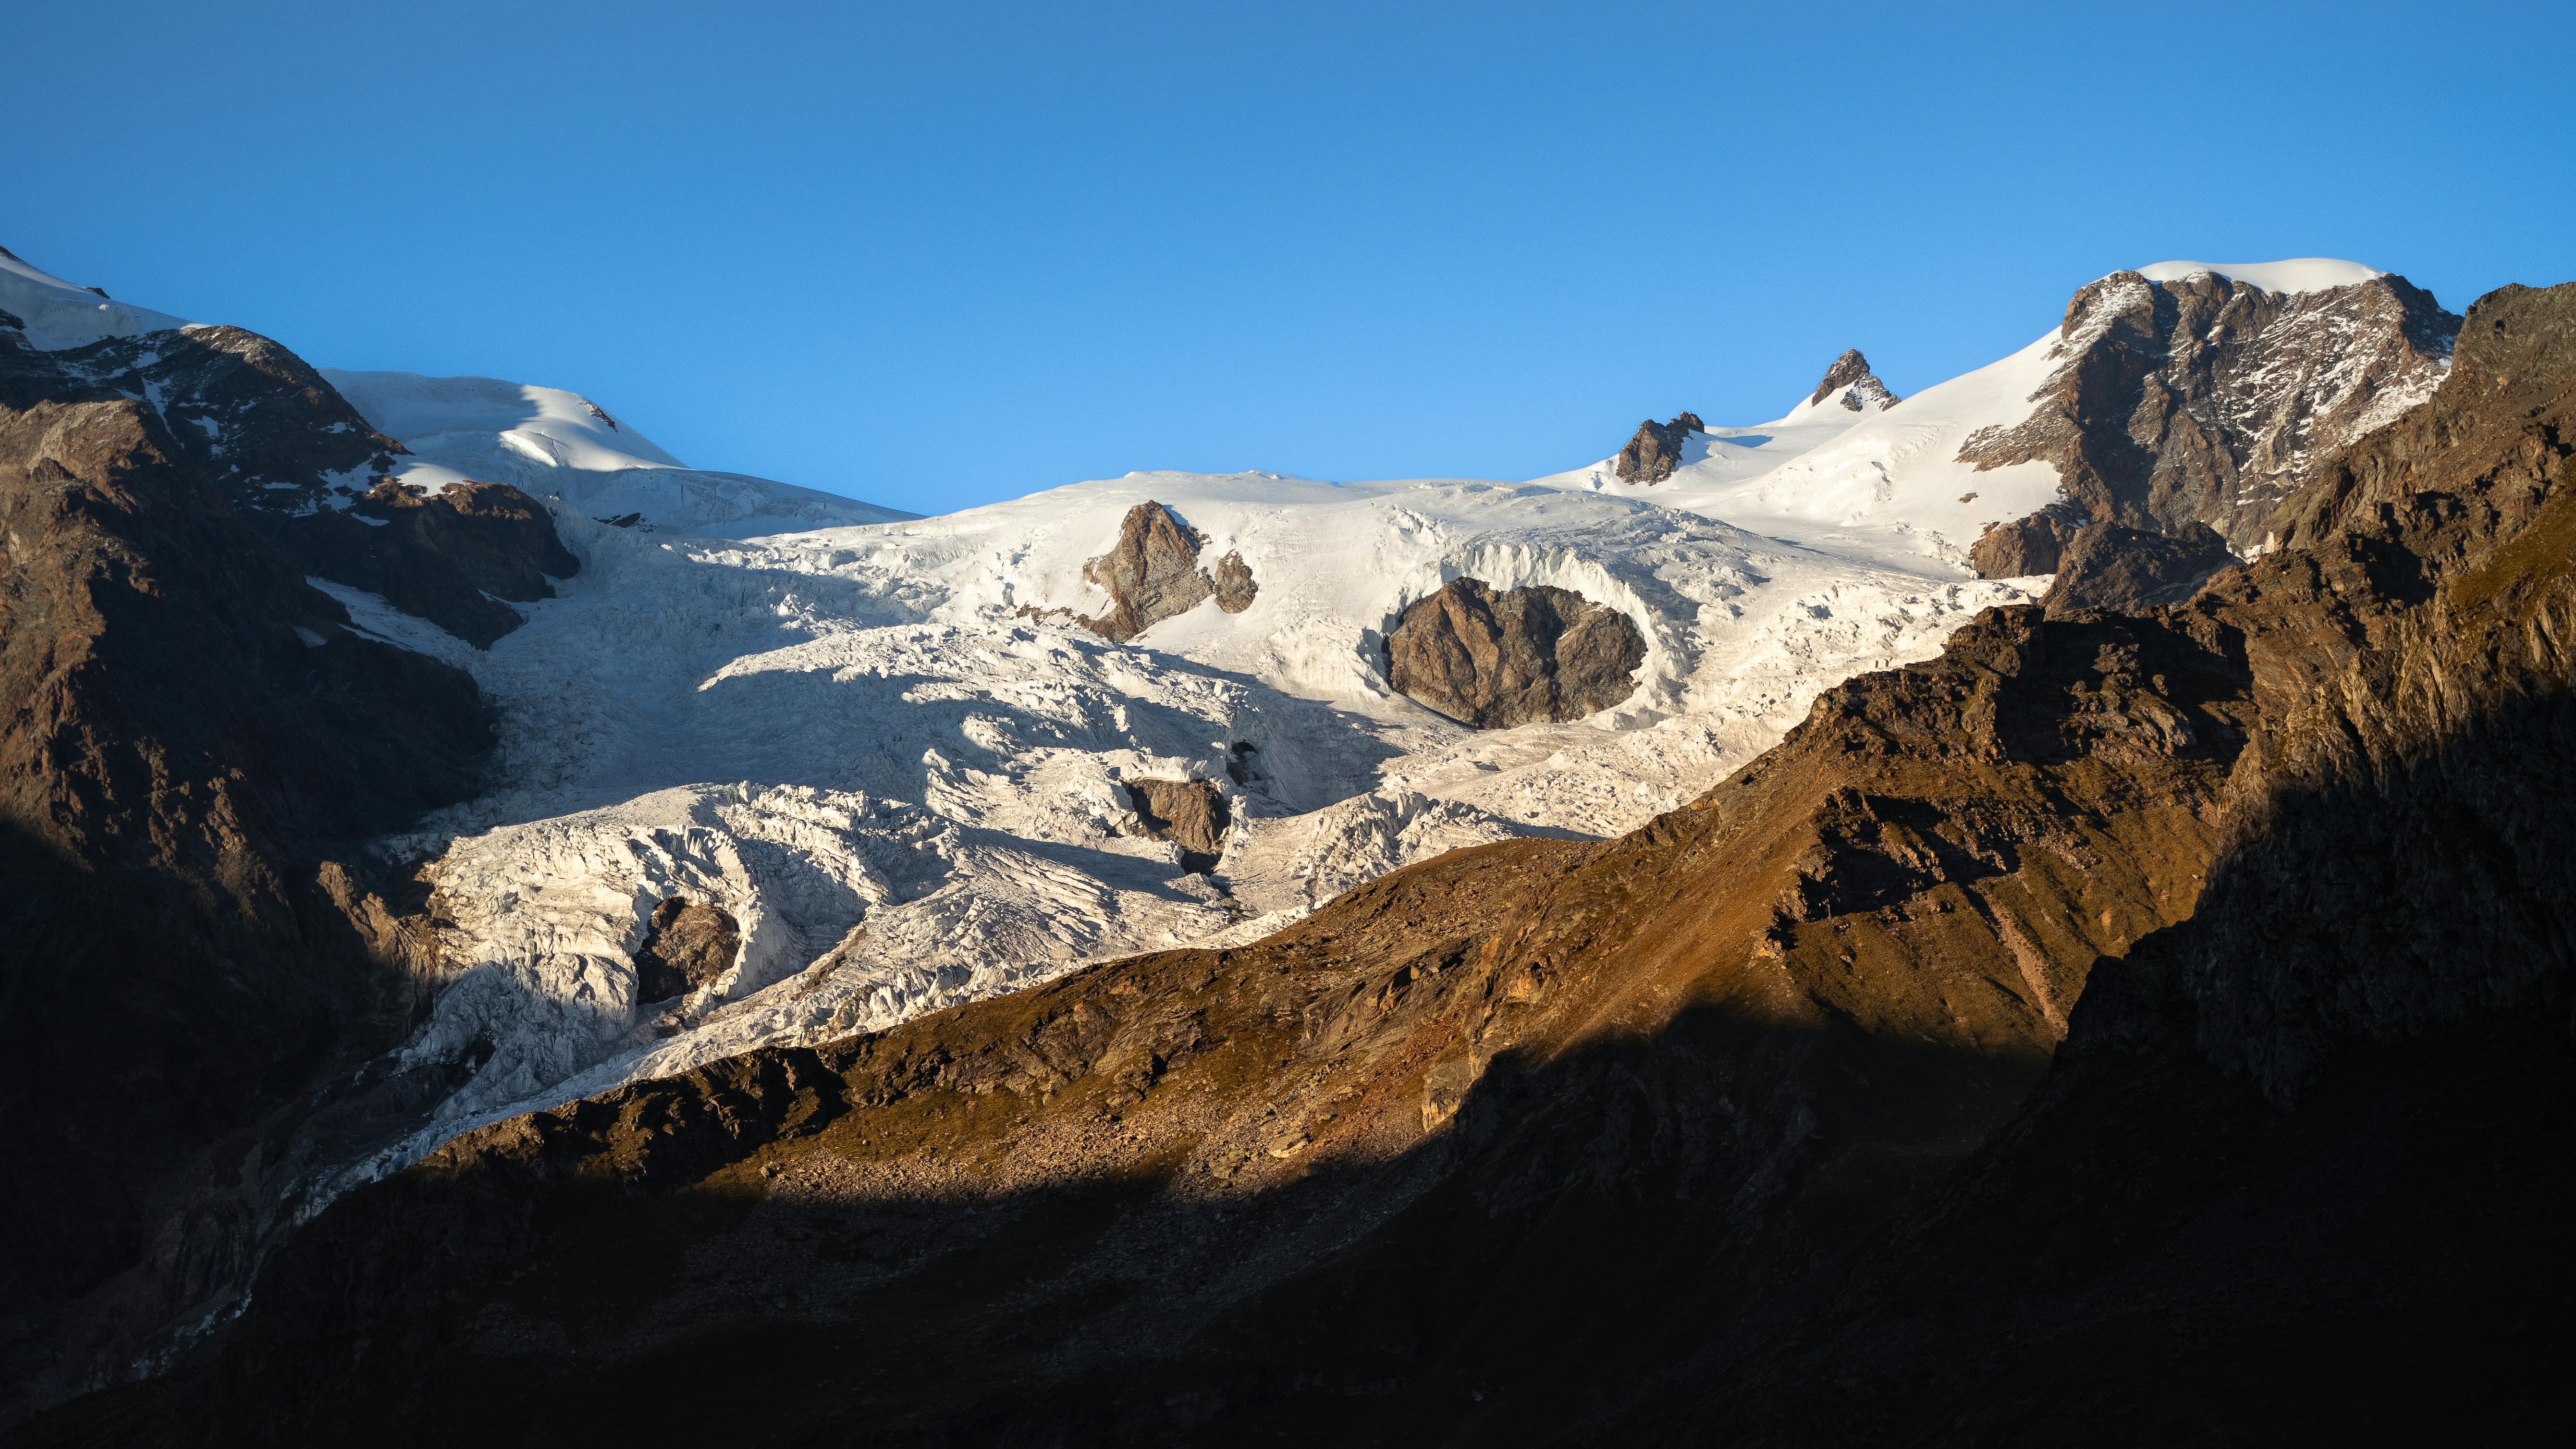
(882, 754)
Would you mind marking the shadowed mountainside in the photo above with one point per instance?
(195, 741)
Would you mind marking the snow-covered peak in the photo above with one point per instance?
(548, 424)
(2298, 274)
(553, 442)
(1849, 387)
(58, 315)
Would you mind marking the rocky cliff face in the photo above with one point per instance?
(2207, 400)
(458, 557)
(1495, 659)
(1152, 573)
(2106, 566)
(193, 736)
(2319, 1129)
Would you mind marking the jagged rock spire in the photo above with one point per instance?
(1851, 370)
(1656, 450)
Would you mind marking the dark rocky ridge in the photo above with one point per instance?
(1530, 655)
(194, 735)
(2305, 1155)
(1192, 814)
(687, 945)
(1152, 573)
(1743, 1128)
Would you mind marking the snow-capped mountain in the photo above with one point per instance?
(52, 315)
(908, 763)
(434, 431)
(895, 754)
(2177, 393)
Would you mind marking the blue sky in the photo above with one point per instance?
(933, 256)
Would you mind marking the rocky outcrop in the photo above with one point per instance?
(1860, 388)
(1656, 450)
(195, 741)
(457, 557)
(1233, 583)
(2024, 546)
(1519, 656)
(1191, 814)
(2106, 566)
(2207, 400)
(687, 945)
(1152, 573)
(262, 426)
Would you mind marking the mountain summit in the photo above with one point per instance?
(1859, 387)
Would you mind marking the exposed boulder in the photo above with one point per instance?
(2106, 566)
(1152, 573)
(1860, 388)
(1191, 814)
(687, 945)
(1656, 450)
(1234, 585)
(1530, 655)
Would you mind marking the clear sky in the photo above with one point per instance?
(934, 255)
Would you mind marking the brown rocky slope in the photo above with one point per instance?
(1754, 1125)
(268, 434)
